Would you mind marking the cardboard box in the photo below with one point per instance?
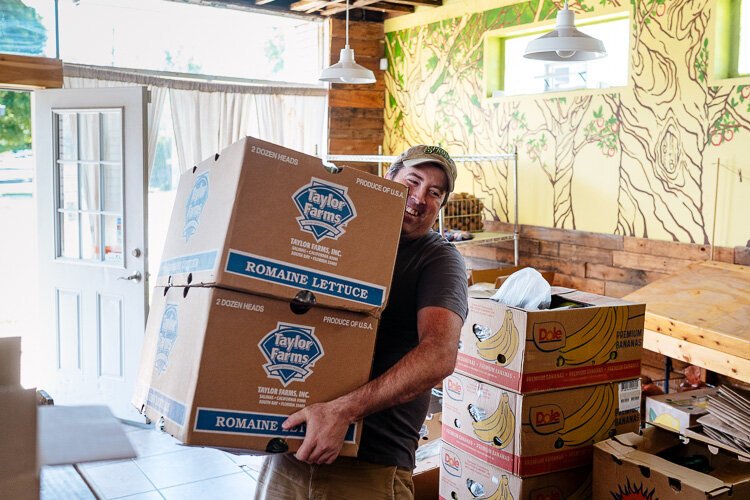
(10, 361)
(465, 477)
(659, 464)
(268, 220)
(500, 274)
(225, 369)
(532, 434)
(678, 410)
(19, 471)
(536, 351)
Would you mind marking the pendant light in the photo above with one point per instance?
(565, 42)
(346, 70)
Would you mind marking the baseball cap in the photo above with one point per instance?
(421, 154)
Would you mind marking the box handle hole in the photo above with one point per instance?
(302, 302)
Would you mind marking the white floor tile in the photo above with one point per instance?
(118, 480)
(185, 466)
(235, 486)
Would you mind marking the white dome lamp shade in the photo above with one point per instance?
(346, 70)
(565, 42)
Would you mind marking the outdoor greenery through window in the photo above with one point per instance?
(528, 76)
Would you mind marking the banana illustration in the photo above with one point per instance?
(595, 343)
(499, 427)
(501, 493)
(591, 422)
(503, 345)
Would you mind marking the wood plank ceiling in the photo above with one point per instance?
(370, 10)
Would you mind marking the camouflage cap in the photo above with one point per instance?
(419, 155)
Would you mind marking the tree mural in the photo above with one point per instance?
(653, 135)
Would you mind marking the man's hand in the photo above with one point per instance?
(324, 436)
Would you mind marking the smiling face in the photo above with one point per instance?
(427, 189)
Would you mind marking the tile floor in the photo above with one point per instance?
(164, 469)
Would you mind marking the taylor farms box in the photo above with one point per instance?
(225, 368)
(532, 434)
(534, 351)
(677, 410)
(465, 477)
(660, 464)
(264, 219)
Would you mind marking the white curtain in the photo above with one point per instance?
(207, 122)
(208, 117)
(155, 105)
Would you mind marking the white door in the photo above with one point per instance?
(90, 151)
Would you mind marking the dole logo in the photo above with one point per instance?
(291, 352)
(548, 493)
(451, 463)
(454, 389)
(546, 419)
(325, 209)
(196, 202)
(167, 338)
(549, 335)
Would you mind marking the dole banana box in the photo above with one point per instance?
(465, 477)
(223, 368)
(594, 339)
(264, 219)
(661, 464)
(532, 434)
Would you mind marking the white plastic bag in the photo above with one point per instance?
(526, 289)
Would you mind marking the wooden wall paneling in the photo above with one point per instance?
(638, 277)
(573, 237)
(589, 285)
(687, 251)
(724, 254)
(585, 254)
(648, 262)
(30, 71)
(742, 256)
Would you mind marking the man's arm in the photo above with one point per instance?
(418, 371)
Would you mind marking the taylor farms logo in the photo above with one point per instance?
(291, 352)
(546, 419)
(167, 338)
(196, 202)
(549, 335)
(325, 209)
(451, 463)
(454, 388)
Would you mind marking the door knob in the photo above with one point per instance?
(133, 277)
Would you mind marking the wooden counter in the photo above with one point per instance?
(701, 315)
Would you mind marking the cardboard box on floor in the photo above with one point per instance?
(226, 368)
(532, 434)
(264, 219)
(660, 464)
(465, 477)
(677, 410)
(535, 351)
(39, 436)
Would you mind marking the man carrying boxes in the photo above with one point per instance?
(274, 278)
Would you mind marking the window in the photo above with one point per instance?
(528, 76)
(743, 59)
(731, 53)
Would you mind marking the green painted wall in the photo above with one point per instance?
(639, 160)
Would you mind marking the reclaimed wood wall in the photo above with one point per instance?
(355, 112)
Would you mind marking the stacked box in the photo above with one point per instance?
(537, 351)
(534, 390)
(538, 433)
(465, 477)
(274, 274)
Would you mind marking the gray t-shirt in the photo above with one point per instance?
(429, 271)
